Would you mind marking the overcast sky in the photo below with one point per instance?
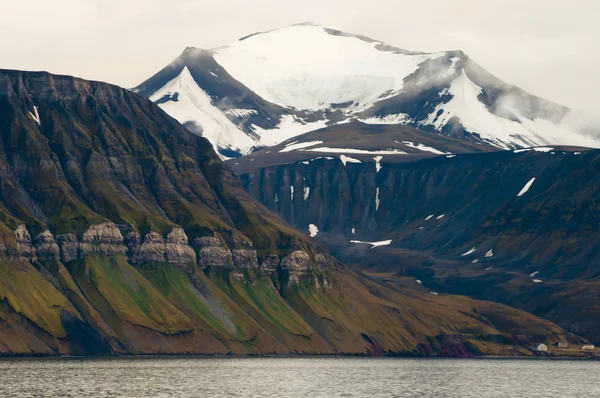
(550, 48)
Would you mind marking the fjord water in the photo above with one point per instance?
(298, 377)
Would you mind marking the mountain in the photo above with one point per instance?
(518, 227)
(272, 86)
(123, 233)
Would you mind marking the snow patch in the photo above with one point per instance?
(374, 244)
(538, 281)
(489, 254)
(195, 105)
(35, 115)
(292, 193)
(359, 151)
(306, 193)
(429, 217)
(423, 148)
(313, 230)
(377, 199)
(473, 250)
(300, 145)
(399, 118)
(305, 67)
(345, 159)
(353, 231)
(503, 133)
(526, 187)
(440, 217)
(534, 274)
(289, 126)
(377, 160)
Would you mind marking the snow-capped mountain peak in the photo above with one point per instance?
(272, 86)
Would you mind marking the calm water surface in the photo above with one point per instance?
(298, 377)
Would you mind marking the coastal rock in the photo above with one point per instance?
(105, 239)
(46, 247)
(24, 247)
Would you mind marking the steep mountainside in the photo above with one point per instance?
(272, 86)
(520, 227)
(123, 233)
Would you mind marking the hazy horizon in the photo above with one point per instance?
(547, 49)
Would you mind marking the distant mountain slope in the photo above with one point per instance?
(358, 142)
(520, 227)
(272, 86)
(123, 233)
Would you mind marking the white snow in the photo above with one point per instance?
(576, 153)
(304, 67)
(36, 115)
(345, 159)
(374, 244)
(440, 217)
(534, 274)
(543, 149)
(423, 148)
(489, 254)
(399, 118)
(305, 162)
(498, 131)
(377, 199)
(276, 199)
(240, 112)
(358, 151)
(292, 193)
(434, 293)
(526, 187)
(353, 231)
(313, 230)
(489, 268)
(538, 281)
(475, 261)
(451, 156)
(300, 145)
(419, 282)
(473, 250)
(194, 105)
(306, 193)
(378, 160)
(289, 126)
(429, 217)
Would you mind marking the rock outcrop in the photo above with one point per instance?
(46, 247)
(104, 239)
(270, 264)
(245, 258)
(177, 250)
(212, 252)
(296, 264)
(24, 246)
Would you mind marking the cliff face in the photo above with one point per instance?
(516, 227)
(123, 233)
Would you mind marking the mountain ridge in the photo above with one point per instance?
(278, 84)
(122, 233)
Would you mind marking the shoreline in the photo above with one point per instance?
(8, 358)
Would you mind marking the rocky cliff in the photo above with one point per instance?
(123, 233)
(519, 227)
